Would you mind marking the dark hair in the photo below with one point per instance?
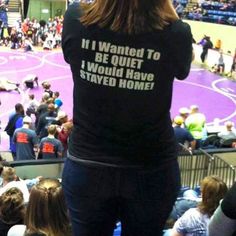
(57, 94)
(19, 108)
(129, 16)
(12, 208)
(31, 96)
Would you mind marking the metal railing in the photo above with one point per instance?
(224, 170)
(194, 167)
(185, 160)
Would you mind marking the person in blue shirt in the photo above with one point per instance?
(182, 135)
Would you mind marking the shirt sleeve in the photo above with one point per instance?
(35, 139)
(185, 223)
(14, 137)
(181, 45)
(220, 224)
(19, 122)
(71, 30)
(60, 147)
(229, 203)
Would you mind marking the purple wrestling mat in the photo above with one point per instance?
(215, 95)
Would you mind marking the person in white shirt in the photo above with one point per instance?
(229, 132)
(11, 180)
(194, 222)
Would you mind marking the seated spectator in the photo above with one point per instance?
(46, 212)
(184, 113)
(229, 132)
(12, 209)
(195, 123)
(182, 135)
(223, 222)
(11, 180)
(195, 220)
(220, 66)
(28, 45)
(50, 147)
(179, 9)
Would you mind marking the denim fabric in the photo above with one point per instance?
(141, 199)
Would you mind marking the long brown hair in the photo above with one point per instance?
(213, 189)
(46, 212)
(129, 16)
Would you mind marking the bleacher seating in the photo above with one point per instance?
(213, 12)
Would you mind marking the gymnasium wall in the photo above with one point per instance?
(226, 33)
(45, 9)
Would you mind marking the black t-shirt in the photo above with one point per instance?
(123, 90)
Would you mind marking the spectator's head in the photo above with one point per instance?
(51, 107)
(67, 127)
(8, 174)
(50, 100)
(178, 120)
(45, 96)
(56, 94)
(27, 120)
(229, 125)
(184, 112)
(46, 212)
(19, 109)
(31, 96)
(194, 109)
(213, 189)
(46, 85)
(62, 117)
(12, 208)
(52, 129)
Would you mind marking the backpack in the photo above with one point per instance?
(10, 128)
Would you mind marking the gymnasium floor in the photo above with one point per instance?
(215, 95)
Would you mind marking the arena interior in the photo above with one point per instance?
(32, 63)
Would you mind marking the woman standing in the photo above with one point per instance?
(124, 56)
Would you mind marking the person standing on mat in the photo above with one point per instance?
(122, 164)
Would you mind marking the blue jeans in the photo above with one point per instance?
(141, 199)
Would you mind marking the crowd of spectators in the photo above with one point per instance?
(191, 131)
(222, 11)
(39, 130)
(32, 206)
(32, 32)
